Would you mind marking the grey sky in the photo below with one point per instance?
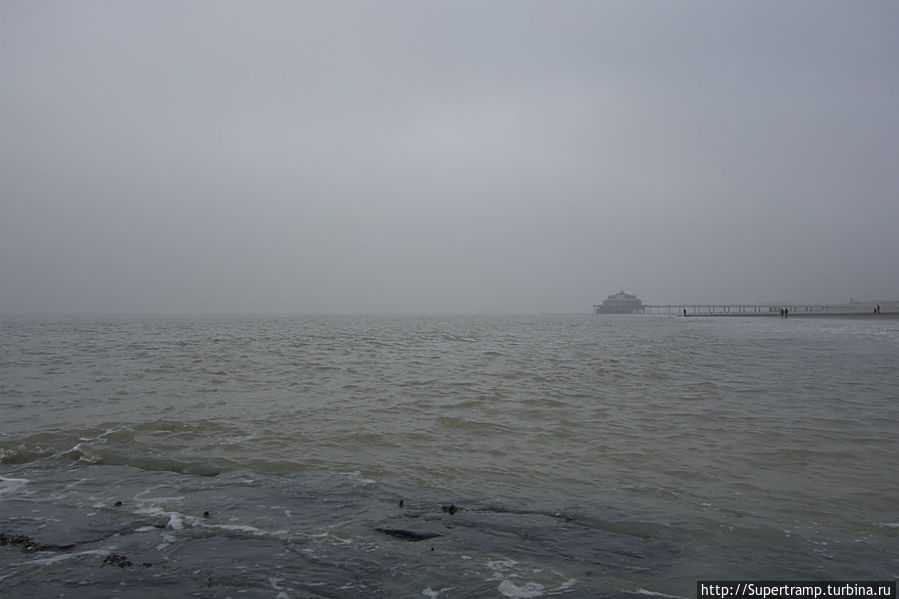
(490, 156)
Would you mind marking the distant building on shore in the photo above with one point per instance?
(619, 303)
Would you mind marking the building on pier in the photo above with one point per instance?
(619, 303)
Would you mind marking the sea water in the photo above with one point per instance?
(443, 456)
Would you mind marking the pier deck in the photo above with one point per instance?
(796, 310)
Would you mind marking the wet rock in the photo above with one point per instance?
(28, 544)
(10, 540)
(407, 535)
(115, 559)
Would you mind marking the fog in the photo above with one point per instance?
(452, 156)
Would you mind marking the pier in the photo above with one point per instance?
(628, 303)
(797, 310)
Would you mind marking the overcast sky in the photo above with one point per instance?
(445, 156)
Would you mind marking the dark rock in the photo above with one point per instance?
(28, 544)
(407, 535)
(115, 559)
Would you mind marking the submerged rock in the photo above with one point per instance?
(115, 559)
(407, 535)
(28, 544)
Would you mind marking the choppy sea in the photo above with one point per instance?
(443, 456)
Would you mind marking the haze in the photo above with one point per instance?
(454, 156)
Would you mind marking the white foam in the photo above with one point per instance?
(238, 440)
(98, 437)
(432, 594)
(357, 476)
(508, 570)
(176, 520)
(8, 485)
(646, 592)
(529, 590)
(64, 556)
(242, 528)
(177, 499)
(140, 496)
(145, 529)
(85, 454)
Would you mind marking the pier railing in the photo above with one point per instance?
(756, 309)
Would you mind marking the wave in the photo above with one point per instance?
(138, 446)
(110, 457)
